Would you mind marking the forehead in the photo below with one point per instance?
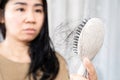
(28, 2)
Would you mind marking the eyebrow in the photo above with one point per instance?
(23, 3)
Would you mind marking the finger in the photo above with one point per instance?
(90, 68)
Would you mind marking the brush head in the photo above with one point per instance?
(73, 39)
(90, 38)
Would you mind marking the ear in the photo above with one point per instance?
(1, 16)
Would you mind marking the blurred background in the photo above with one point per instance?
(107, 61)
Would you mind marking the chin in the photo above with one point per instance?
(27, 39)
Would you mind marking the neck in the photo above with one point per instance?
(15, 48)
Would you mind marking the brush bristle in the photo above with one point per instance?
(77, 34)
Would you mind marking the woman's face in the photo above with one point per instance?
(23, 19)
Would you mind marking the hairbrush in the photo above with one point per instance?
(88, 40)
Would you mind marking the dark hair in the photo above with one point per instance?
(41, 50)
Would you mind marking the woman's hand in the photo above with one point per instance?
(91, 72)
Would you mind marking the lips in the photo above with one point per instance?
(29, 31)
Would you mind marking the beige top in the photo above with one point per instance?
(10, 70)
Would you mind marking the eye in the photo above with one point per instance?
(39, 10)
(21, 9)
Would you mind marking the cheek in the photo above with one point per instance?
(12, 21)
(40, 22)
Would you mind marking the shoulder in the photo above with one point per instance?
(63, 70)
(0, 46)
(1, 49)
(61, 59)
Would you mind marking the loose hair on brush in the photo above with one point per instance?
(41, 50)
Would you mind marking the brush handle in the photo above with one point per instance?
(82, 71)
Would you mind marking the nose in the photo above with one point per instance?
(30, 17)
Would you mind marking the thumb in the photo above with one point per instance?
(90, 68)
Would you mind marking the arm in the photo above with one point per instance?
(63, 73)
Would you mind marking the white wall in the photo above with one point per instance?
(107, 62)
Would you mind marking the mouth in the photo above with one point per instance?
(30, 31)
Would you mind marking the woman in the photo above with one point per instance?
(26, 52)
